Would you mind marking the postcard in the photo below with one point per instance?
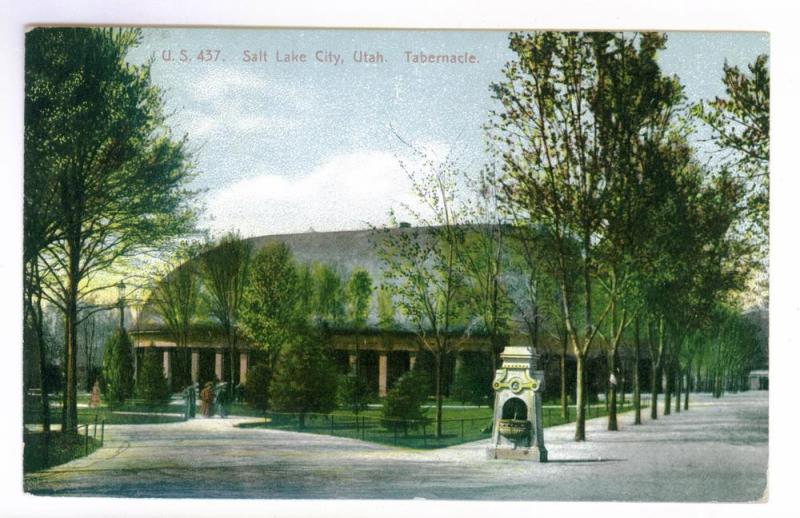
(497, 265)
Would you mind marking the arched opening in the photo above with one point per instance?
(515, 408)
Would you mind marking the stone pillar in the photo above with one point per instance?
(353, 362)
(242, 367)
(167, 369)
(459, 362)
(412, 360)
(195, 366)
(383, 367)
(218, 365)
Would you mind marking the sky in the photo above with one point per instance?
(291, 146)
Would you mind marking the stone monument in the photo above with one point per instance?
(517, 425)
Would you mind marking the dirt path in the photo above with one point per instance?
(715, 452)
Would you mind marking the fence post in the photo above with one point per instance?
(102, 431)
(94, 432)
(86, 441)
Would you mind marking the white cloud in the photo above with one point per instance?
(347, 191)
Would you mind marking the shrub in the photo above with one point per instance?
(353, 393)
(305, 377)
(473, 383)
(403, 402)
(256, 388)
(152, 386)
(118, 367)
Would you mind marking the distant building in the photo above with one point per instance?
(758, 380)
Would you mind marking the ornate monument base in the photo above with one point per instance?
(517, 426)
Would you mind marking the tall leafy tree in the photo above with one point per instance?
(329, 295)
(305, 378)
(359, 290)
(175, 297)
(423, 269)
(563, 119)
(270, 314)
(116, 177)
(225, 267)
(739, 123)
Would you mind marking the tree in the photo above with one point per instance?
(329, 295)
(353, 392)
(305, 377)
(175, 296)
(269, 305)
(256, 389)
(422, 266)
(118, 367)
(151, 385)
(225, 270)
(115, 175)
(473, 381)
(563, 120)
(403, 405)
(739, 124)
(386, 311)
(485, 259)
(359, 290)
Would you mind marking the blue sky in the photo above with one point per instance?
(288, 147)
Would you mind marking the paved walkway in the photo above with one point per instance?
(715, 452)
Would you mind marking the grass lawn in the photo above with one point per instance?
(459, 425)
(63, 448)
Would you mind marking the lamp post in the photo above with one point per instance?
(121, 302)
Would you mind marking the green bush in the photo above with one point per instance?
(473, 383)
(404, 402)
(305, 377)
(118, 367)
(152, 386)
(256, 388)
(353, 393)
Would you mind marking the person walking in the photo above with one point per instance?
(206, 396)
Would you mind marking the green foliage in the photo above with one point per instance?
(386, 311)
(404, 402)
(473, 382)
(152, 386)
(269, 314)
(359, 290)
(225, 266)
(353, 393)
(256, 388)
(305, 377)
(329, 295)
(118, 367)
(102, 169)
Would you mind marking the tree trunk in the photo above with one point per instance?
(439, 372)
(668, 389)
(70, 410)
(678, 386)
(38, 316)
(637, 401)
(655, 382)
(580, 398)
(563, 367)
(611, 400)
